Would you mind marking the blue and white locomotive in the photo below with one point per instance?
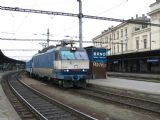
(68, 66)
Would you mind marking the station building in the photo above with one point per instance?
(133, 47)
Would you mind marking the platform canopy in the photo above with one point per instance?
(136, 55)
(5, 59)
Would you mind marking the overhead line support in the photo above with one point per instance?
(76, 15)
(80, 16)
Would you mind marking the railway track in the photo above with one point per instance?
(140, 104)
(42, 106)
(122, 99)
(22, 110)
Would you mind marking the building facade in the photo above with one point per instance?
(126, 37)
(129, 37)
(155, 18)
(127, 42)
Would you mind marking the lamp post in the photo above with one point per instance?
(48, 37)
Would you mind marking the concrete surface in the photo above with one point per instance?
(135, 75)
(141, 86)
(7, 112)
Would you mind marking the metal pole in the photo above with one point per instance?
(48, 37)
(80, 22)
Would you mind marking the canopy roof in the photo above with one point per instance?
(5, 59)
(136, 55)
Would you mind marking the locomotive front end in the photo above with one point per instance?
(74, 67)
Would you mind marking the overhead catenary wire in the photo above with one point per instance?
(26, 50)
(104, 11)
(111, 8)
(29, 39)
(51, 40)
(17, 9)
(24, 19)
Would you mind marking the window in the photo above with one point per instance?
(56, 56)
(106, 39)
(68, 55)
(125, 31)
(103, 40)
(80, 55)
(118, 48)
(137, 28)
(99, 42)
(110, 37)
(144, 26)
(121, 32)
(126, 47)
(145, 43)
(137, 43)
(117, 34)
(114, 36)
(96, 42)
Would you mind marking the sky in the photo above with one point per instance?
(34, 26)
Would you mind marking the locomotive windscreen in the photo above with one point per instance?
(78, 55)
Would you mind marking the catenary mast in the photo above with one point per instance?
(80, 22)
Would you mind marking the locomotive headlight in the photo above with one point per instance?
(84, 70)
(73, 48)
(66, 70)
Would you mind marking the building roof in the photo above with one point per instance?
(5, 59)
(157, 1)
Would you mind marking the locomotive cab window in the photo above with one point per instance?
(78, 55)
(67, 55)
(81, 55)
(57, 55)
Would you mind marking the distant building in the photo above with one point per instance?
(129, 37)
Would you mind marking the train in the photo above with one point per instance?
(65, 65)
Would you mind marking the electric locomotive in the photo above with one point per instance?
(67, 66)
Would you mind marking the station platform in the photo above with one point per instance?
(7, 112)
(126, 84)
(135, 75)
